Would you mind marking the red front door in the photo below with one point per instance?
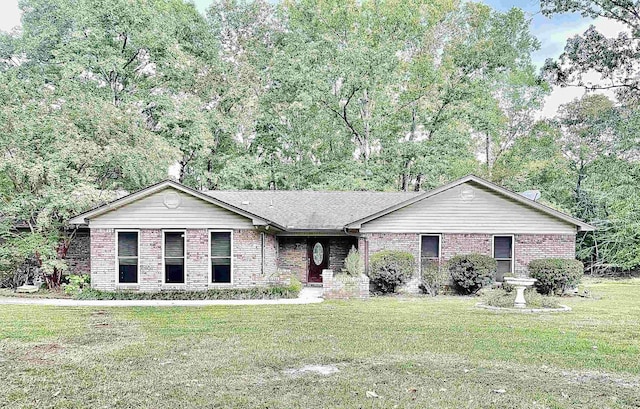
(318, 256)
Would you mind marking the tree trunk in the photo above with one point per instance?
(487, 149)
(418, 184)
(406, 176)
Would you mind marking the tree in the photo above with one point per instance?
(614, 60)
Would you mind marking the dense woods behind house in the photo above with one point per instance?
(104, 96)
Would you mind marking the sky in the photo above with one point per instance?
(552, 33)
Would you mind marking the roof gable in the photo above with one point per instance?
(494, 189)
(158, 187)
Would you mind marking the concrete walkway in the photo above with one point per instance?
(308, 295)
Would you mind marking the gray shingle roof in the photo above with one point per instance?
(311, 210)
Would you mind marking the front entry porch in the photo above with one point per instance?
(307, 256)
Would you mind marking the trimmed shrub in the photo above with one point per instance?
(353, 265)
(434, 277)
(471, 272)
(389, 269)
(555, 275)
(254, 293)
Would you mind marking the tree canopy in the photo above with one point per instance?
(106, 96)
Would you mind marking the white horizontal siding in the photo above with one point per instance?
(151, 213)
(488, 212)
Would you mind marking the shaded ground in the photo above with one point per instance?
(414, 352)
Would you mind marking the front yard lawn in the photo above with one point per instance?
(389, 352)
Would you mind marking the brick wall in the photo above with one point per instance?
(247, 260)
(292, 256)
(408, 242)
(103, 259)
(453, 244)
(526, 246)
(79, 253)
(338, 250)
(343, 287)
(533, 246)
(197, 242)
(150, 274)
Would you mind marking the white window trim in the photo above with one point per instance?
(210, 275)
(420, 236)
(513, 250)
(118, 283)
(184, 256)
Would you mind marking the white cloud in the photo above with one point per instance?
(9, 15)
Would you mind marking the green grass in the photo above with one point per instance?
(412, 352)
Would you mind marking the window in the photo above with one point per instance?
(429, 250)
(220, 257)
(174, 257)
(127, 255)
(503, 253)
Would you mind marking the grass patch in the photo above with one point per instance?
(503, 299)
(412, 352)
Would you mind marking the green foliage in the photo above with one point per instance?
(389, 269)
(77, 283)
(471, 272)
(434, 278)
(253, 293)
(505, 299)
(555, 275)
(294, 287)
(353, 264)
(102, 96)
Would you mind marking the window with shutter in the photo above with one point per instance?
(127, 255)
(220, 257)
(503, 253)
(174, 255)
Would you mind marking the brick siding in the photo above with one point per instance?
(289, 253)
(533, 246)
(78, 256)
(338, 250)
(342, 287)
(247, 260)
(526, 246)
(103, 259)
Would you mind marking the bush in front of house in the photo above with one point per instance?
(433, 278)
(471, 272)
(76, 283)
(555, 275)
(389, 269)
(353, 265)
(253, 293)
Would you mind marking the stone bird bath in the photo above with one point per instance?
(521, 284)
